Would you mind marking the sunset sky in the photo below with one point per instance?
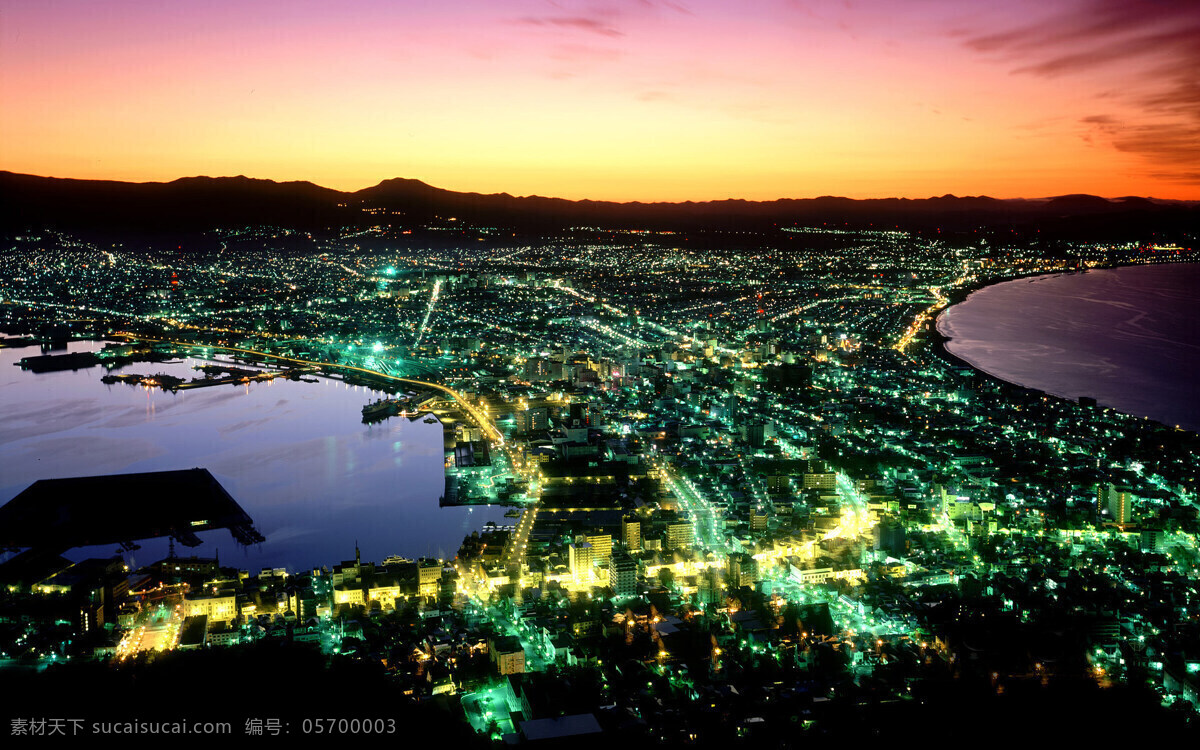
(616, 99)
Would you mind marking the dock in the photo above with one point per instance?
(56, 362)
(55, 515)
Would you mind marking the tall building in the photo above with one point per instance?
(1118, 501)
(1153, 540)
(429, 572)
(631, 532)
(581, 415)
(624, 574)
(742, 570)
(708, 588)
(580, 559)
(601, 547)
(732, 411)
(537, 368)
(758, 433)
(889, 536)
(448, 585)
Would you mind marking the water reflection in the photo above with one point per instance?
(295, 455)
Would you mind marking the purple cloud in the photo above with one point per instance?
(1154, 43)
(579, 23)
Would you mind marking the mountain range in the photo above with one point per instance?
(197, 203)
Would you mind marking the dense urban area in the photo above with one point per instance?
(754, 499)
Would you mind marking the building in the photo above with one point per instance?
(889, 536)
(429, 572)
(601, 547)
(709, 587)
(758, 433)
(679, 535)
(732, 410)
(758, 520)
(193, 632)
(742, 570)
(825, 480)
(580, 560)
(580, 415)
(624, 574)
(1153, 540)
(218, 607)
(533, 420)
(631, 532)
(507, 654)
(448, 585)
(537, 368)
(1118, 501)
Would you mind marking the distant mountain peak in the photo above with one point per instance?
(404, 181)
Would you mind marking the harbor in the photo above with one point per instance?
(295, 454)
(214, 375)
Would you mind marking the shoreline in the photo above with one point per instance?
(936, 342)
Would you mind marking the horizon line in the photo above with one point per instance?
(594, 200)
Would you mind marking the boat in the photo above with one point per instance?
(430, 419)
(380, 409)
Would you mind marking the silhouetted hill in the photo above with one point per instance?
(187, 203)
(205, 202)
(1083, 204)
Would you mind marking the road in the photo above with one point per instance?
(514, 552)
(707, 521)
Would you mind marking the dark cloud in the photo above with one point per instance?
(1174, 148)
(1116, 50)
(1169, 144)
(1089, 22)
(1152, 44)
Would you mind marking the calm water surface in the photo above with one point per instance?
(1128, 337)
(295, 456)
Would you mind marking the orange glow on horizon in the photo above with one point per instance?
(643, 103)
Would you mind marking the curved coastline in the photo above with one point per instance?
(938, 340)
